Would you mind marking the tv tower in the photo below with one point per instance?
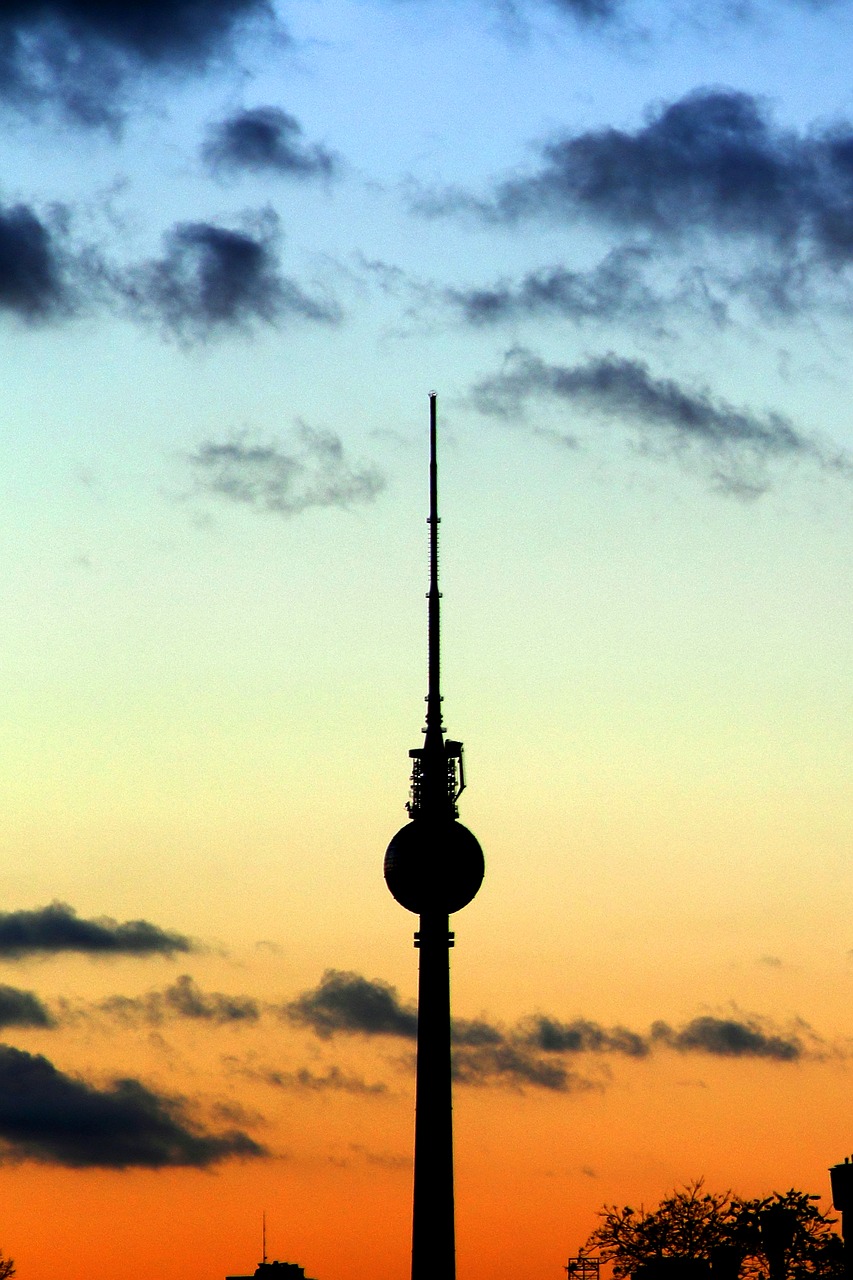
(433, 867)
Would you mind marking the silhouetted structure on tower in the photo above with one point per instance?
(433, 867)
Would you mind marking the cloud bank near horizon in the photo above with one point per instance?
(538, 1050)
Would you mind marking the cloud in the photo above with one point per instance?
(613, 289)
(514, 1065)
(23, 1009)
(730, 1038)
(537, 1051)
(213, 279)
(265, 140)
(475, 1033)
(48, 1116)
(57, 928)
(713, 160)
(713, 163)
(315, 472)
(210, 279)
(32, 266)
(334, 1080)
(589, 11)
(182, 999)
(347, 1002)
(737, 442)
(79, 55)
(580, 1036)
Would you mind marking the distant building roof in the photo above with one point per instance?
(274, 1271)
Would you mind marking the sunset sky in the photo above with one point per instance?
(239, 244)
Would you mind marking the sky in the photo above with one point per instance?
(240, 243)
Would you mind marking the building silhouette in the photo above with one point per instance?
(434, 867)
(274, 1271)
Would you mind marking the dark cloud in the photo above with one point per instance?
(737, 442)
(57, 928)
(79, 54)
(580, 1036)
(475, 1033)
(712, 161)
(55, 1118)
(613, 289)
(213, 279)
(22, 1009)
(592, 12)
(210, 280)
(514, 1065)
(182, 999)
(730, 1038)
(313, 472)
(265, 140)
(33, 283)
(347, 1002)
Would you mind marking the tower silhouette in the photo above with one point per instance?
(434, 867)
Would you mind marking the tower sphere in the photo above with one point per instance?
(434, 865)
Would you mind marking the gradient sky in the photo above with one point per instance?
(238, 245)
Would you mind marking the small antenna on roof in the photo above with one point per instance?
(264, 1230)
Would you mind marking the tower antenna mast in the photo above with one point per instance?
(433, 715)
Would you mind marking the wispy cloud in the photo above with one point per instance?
(613, 289)
(183, 998)
(307, 1081)
(737, 443)
(57, 928)
(54, 1118)
(313, 471)
(265, 140)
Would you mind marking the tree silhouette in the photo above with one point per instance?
(783, 1236)
(7, 1267)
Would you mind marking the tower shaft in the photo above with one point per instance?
(433, 1215)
